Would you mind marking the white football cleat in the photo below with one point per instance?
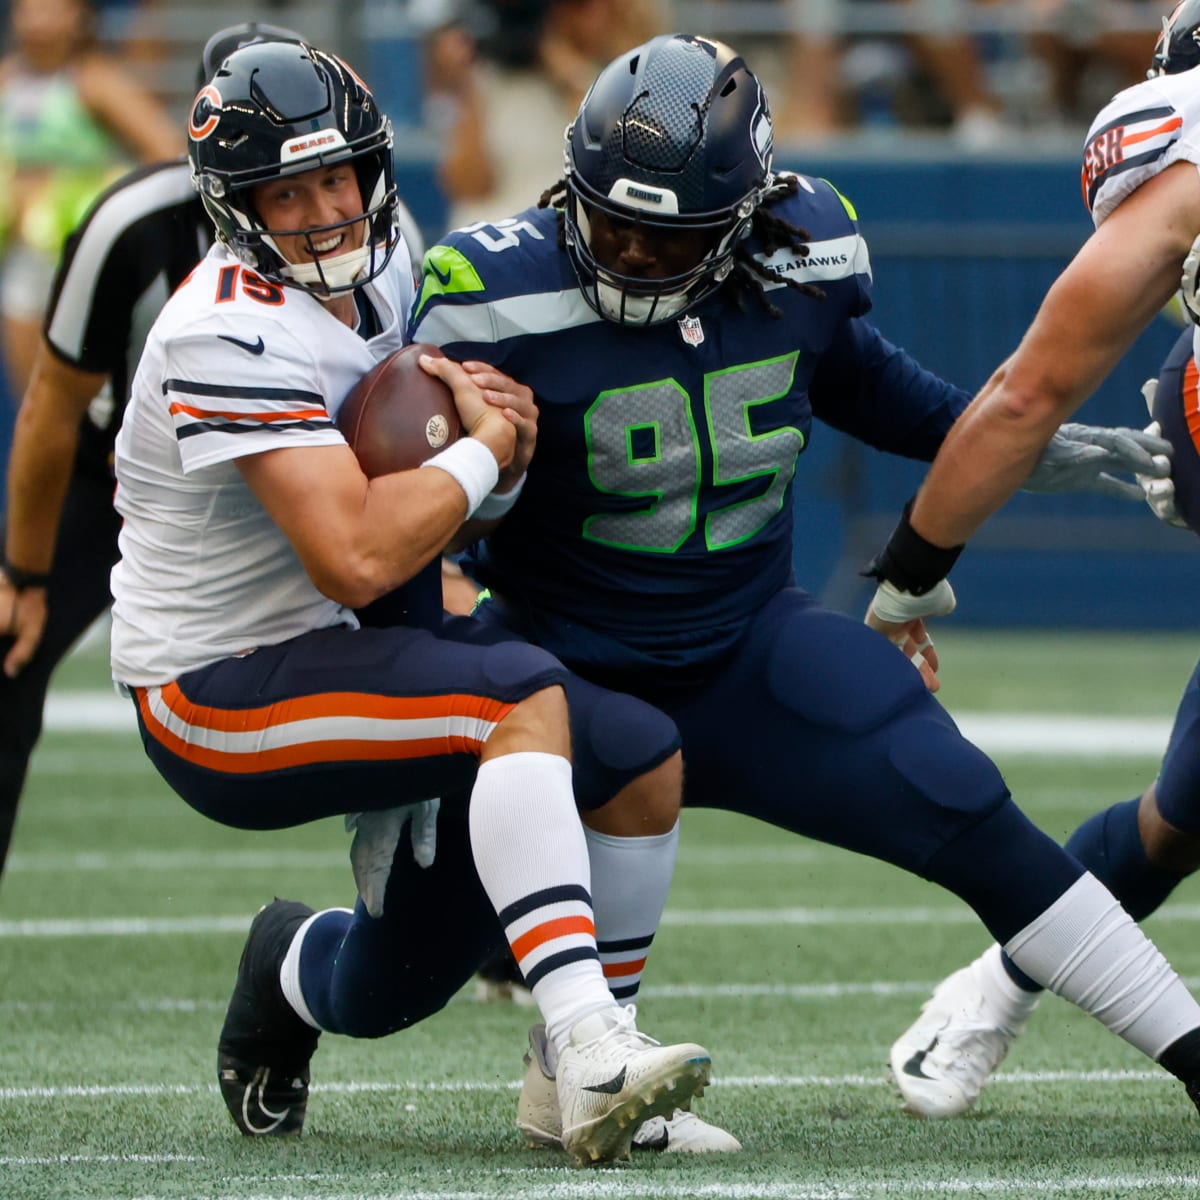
(539, 1119)
(610, 1078)
(942, 1061)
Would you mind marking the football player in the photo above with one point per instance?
(250, 535)
(682, 312)
(1140, 184)
(136, 244)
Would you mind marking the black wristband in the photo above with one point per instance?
(21, 580)
(909, 562)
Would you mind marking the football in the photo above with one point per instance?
(1180, 427)
(396, 416)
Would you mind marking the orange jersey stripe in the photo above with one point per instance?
(1191, 400)
(1132, 139)
(615, 970)
(332, 704)
(547, 931)
(300, 414)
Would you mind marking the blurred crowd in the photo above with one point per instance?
(502, 78)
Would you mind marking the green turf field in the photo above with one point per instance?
(122, 916)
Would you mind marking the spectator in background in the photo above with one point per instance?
(1079, 40)
(828, 76)
(503, 82)
(70, 119)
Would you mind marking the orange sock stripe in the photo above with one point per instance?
(259, 761)
(547, 931)
(617, 970)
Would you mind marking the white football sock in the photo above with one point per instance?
(532, 860)
(289, 970)
(1086, 947)
(1010, 1004)
(630, 880)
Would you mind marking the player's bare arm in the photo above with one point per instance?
(357, 538)
(39, 471)
(1120, 279)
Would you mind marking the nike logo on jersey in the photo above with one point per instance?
(914, 1064)
(250, 347)
(444, 280)
(611, 1088)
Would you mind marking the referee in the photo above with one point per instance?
(138, 242)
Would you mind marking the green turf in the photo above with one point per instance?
(107, 1040)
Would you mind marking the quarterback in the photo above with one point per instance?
(683, 313)
(251, 535)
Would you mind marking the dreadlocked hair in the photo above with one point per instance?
(775, 233)
(748, 274)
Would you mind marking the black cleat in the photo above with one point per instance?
(265, 1048)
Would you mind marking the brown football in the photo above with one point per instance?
(396, 416)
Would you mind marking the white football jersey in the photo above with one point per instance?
(234, 365)
(1140, 132)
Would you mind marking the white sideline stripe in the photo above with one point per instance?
(735, 917)
(1037, 734)
(57, 1160)
(101, 1091)
(625, 1187)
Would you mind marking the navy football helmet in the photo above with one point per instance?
(225, 41)
(676, 135)
(1178, 46)
(280, 108)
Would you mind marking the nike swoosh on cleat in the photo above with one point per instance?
(250, 347)
(611, 1088)
(253, 1105)
(913, 1066)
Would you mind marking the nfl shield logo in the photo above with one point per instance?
(692, 330)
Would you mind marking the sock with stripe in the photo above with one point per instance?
(1087, 948)
(532, 860)
(630, 880)
(1109, 844)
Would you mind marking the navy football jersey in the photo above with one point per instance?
(657, 515)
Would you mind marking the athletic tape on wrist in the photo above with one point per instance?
(898, 608)
(909, 561)
(472, 466)
(495, 504)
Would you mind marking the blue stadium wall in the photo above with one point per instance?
(962, 253)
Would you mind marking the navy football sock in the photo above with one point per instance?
(1109, 845)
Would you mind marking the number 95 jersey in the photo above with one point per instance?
(656, 519)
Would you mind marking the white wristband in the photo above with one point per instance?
(496, 504)
(472, 466)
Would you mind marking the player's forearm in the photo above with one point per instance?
(39, 473)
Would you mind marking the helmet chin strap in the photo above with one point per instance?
(337, 272)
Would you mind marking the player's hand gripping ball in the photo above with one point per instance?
(396, 416)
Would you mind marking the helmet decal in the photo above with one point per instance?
(206, 113)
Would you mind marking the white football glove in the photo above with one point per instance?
(376, 838)
(1189, 284)
(1158, 489)
(1087, 458)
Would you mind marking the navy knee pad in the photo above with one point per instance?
(614, 739)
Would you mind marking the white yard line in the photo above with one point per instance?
(138, 926)
(1033, 734)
